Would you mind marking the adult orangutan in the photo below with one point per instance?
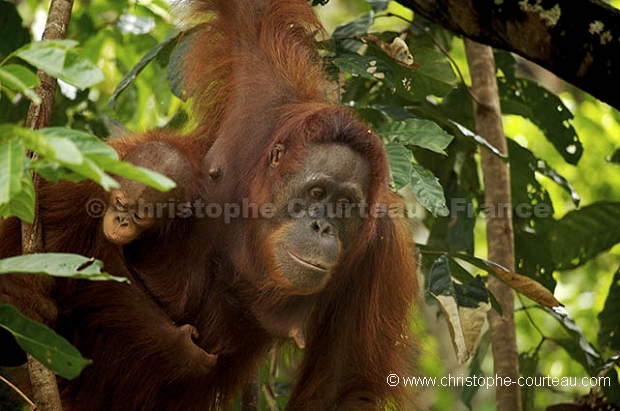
(309, 244)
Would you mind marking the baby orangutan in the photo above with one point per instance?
(134, 207)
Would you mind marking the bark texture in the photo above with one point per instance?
(44, 386)
(500, 237)
(578, 41)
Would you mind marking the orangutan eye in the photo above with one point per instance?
(343, 202)
(120, 206)
(275, 157)
(317, 193)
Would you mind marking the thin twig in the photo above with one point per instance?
(18, 391)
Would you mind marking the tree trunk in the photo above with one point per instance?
(44, 386)
(496, 175)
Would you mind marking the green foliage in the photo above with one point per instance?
(62, 153)
(609, 317)
(57, 265)
(58, 59)
(65, 154)
(582, 234)
(42, 343)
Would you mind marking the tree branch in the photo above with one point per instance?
(578, 41)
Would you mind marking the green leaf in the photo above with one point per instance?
(100, 156)
(439, 280)
(42, 343)
(58, 148)
(401, 166)
(52, 147)
(428, 191)
(582, 234)
(87, 144)
(20, 79)
(88, 148)
(21, 204)
(175, 76)
(139, 174)
(58, 59)
(575, 343)
(363, 66)
(53, 171)
(165, 47)
(609, 317)
(527, 99)
(418, 132)
(345, 34)
(545, 169)
(462, 223)
(471, 294)
(479, 140)
(475, 369)
(11, 169)
(57, 265)
(532, 212)
(433, 75)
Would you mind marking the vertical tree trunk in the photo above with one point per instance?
(44, 386)
(500, 238)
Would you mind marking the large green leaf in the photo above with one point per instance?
(582, 234)
(82, 154)
(418, 132)
(345, 34)
(574, 342)
(140, 174)
(54, 148)
(532, 217)
(364, 66)
(162, 49)
(21, 204)
(428, 191)
(571, 338)
(20, 79)
(100, 156)
(401, 166)
(57, 265)
(433, 74)
(527, 99)
(11, 169)
(42, 343)
(475, 369)
(59, 59)
(609, 317)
